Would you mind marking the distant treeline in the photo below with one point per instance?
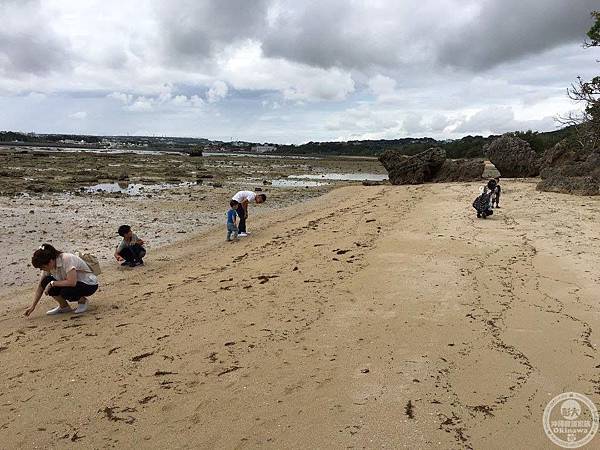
(12, 136)
(466, 147)
(148, 142)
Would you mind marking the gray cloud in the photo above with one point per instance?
(505, 30)
(28, 44)
(327, 34)
(196, 29)
(384, 67)
(30, 54)
(473, 35)
(382, 36)
(500, 119)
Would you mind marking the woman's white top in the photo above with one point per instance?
(65, 262)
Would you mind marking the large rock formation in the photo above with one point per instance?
(569, 169)
(460, 170)
(429, 166)
(588, 185)
(413, 169)
(513, 157)
(561, 154)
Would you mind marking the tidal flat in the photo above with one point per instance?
(77, 199)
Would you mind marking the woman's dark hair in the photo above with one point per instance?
(233, 203)
(263, 196)
(123, 230)
(492, 184)
(44, 255)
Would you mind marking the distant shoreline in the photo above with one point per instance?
(58, 147)
(50, 144)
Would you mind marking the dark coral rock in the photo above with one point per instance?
(513, 157)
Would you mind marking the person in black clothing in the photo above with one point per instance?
(483, 203)
(497, 192)
(131, 249)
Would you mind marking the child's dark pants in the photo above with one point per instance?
(133, 254)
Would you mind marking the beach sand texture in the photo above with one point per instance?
(369, 317)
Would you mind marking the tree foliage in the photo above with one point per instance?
(466, 147)
(587, 93)
(594, 33)
(540, 142)
(13, 136)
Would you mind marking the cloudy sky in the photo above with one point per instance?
(290, 71)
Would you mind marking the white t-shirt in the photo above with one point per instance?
(65, 262)
(244, 195)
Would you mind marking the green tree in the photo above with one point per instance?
(587, 123)
(594, 33)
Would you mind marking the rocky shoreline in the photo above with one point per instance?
(567, 167)
(47, 198)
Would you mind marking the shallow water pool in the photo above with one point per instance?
(133, 188)
(357, 176)
(286, 182)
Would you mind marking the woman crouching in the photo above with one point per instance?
(65, 277)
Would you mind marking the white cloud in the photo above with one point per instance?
(217, 91)
(79, 115)
(164, 101)
(36, 96)
(500, 119)
(382, 86)
(364, 119)
(193, 102)
(142, 104)
(246, 67)
(122, 97)
(438, 123)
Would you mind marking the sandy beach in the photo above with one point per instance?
(369, 317)
(65, 197)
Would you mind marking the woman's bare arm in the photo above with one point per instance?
(36, 298)
(70, 281)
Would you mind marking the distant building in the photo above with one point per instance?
(264, 148)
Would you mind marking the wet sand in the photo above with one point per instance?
(369, 317)
(89, 223)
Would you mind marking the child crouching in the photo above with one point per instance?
(131, 249)
(483, 203)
